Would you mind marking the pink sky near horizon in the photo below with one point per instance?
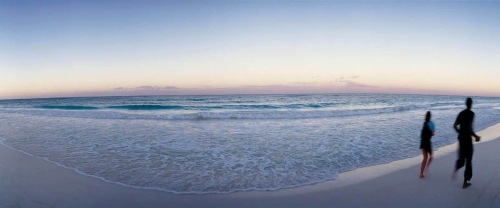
(270, 89)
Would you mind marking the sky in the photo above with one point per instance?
(106, 48)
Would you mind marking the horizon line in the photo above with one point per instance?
(236, 94)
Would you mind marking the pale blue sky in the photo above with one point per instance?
(89, 48)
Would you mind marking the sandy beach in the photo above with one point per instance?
(27, 181)
(243, 104)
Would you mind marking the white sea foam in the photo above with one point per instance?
(249, 114)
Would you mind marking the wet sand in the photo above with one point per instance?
(27, 181)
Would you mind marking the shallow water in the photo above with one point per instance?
(222, 144)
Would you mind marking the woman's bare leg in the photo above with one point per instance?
(429, 161)
(424, 163)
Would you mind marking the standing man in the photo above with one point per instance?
(465, 119)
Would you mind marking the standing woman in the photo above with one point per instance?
(425, 142)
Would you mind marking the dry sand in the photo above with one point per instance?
(26, 181)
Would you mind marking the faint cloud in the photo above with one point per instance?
(315, 77)
(261, 86)
(170, 88)
(303, 83)
(341, 79)
(146, 87)
(349, 82)
(355, 84)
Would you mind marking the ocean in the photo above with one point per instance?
(230, 143)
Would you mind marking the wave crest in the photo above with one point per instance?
(146, 107)
(202, 115)
(68, 107)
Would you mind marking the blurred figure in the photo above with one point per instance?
(425, 143)
(465, 119)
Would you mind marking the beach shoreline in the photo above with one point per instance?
(27, 181)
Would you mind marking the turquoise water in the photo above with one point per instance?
(223, 144)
